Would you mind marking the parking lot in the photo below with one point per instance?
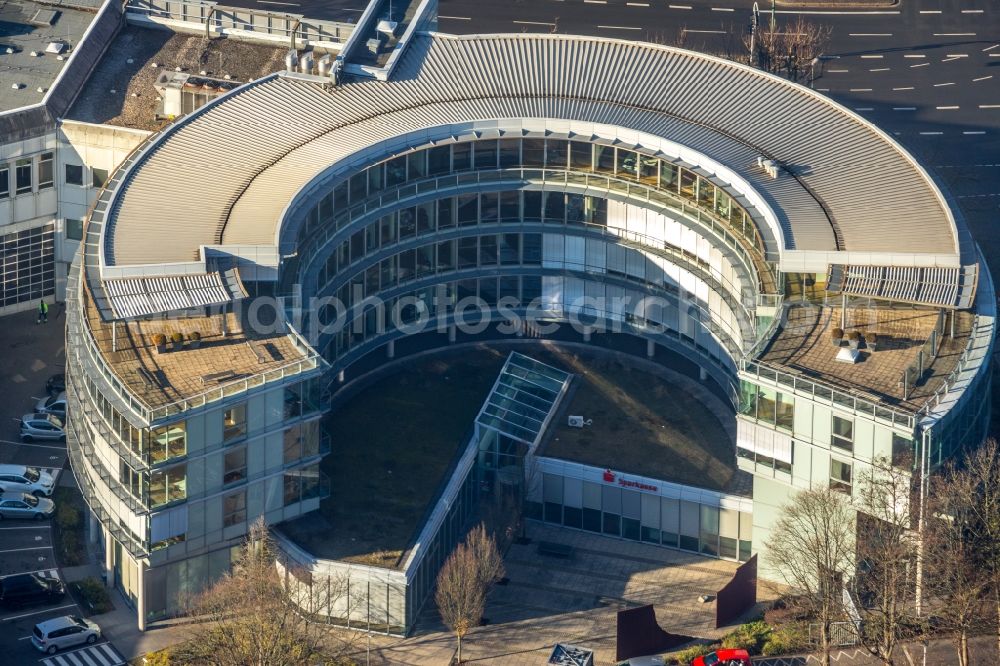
(29, 354)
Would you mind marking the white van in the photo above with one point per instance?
(64, 632)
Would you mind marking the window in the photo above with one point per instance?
(168, 442)
(842, 433)
(74, 229)
(45, 171)
(301, 484)
(74, 174)
(130, 479)
(235, 466)
(22, 175)
(234, 509)
(840, 476)
(4, 181)
(234, 422)
(902, 451)
(168, 485)
(99, 177)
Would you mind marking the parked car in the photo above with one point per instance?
(724, 657)
(25, 589)
(54, 404)
(42, 426)
(22, 479)
(64, 632)
(55, 384)
(25, 506)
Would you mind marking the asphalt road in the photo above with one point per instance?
(925, 71)
(342, 11)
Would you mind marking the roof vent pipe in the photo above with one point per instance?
(324, 65)
(306, 62)
(291, 60)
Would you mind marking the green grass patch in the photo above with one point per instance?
(68, 534)
(391, 446)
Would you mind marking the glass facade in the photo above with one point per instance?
(536, 153)
(767, 405)
(28, 264)
(628, 514)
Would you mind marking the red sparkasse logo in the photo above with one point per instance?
(609, 477)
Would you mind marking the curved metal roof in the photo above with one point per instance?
(224, 174)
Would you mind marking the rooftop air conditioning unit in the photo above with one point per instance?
(578, 421)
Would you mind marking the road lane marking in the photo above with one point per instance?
(595, 2)
(535, 23)
(834, 13)
(915, 55)
(21, 550)
(679, 6)
(870, 34)
(637, 4)
(860, 90)
(978, 132)
(972, 11)
(958, 55)
(618, 27)
(954, 34)
(941, 85)
(456, 18)
(904, 108)
(836, 71)
(920, 64)
(864, 108)
(983, 78)
(904, 88)
(989, 106)
(714, 32)
(932, 133)
(879, 69)
(949, 59)
(723, 9)
(990, 48)
(871, 56)
(47, 610)
(945, 108)
(930, 11)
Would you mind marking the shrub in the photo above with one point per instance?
(195, 335)
(854, 335)
(158, 658)
(176, 338)
(750, 636)
(788, 639)
(837, 333)
(94, 594)
(159, 339)
(67, 516)
(871, 338)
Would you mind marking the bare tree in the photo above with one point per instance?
(982, 471)
(489, 563)
(460, 596)
(250, 618)
(813, 540)
(887, 554)
(790, 48)
(958, 581)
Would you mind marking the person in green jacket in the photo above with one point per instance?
(43, 313)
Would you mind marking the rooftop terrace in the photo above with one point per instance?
(121, 88)
(670, 423)
(229, 353)
(28, 28)
(804, 344)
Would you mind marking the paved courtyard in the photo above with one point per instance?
(550, 600)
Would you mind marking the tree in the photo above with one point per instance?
(790, 48)
(467, 576)
(958, 578)
(813, 540)
(460, 596)
(250, 620)
(887, 555)
(981, 507)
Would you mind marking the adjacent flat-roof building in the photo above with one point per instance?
(716, 213)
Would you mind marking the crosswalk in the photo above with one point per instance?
(92, 655)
